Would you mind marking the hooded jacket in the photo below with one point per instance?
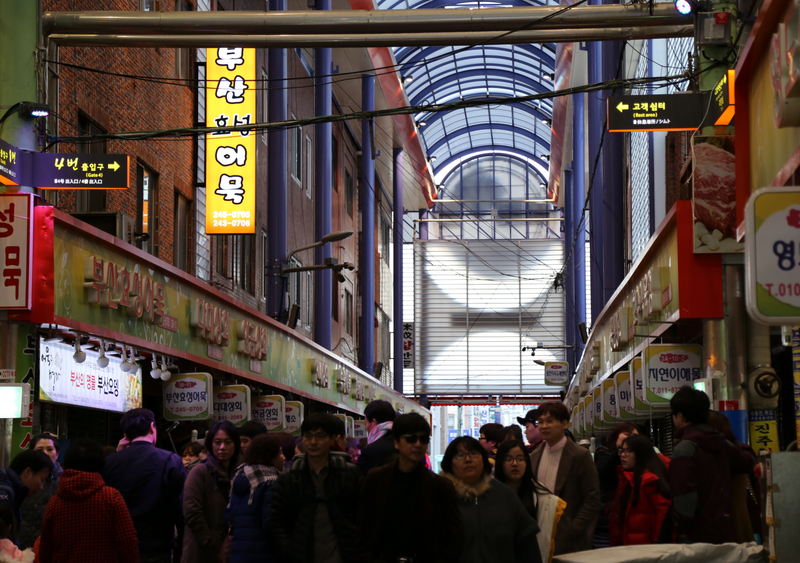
(33, 509)
(250, 516)
(640, 524)
(496, 527)
(87, 522)
(700, 480)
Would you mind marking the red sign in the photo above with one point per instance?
(729, 406)
(185, 384)
(673, 358)
(721, 18)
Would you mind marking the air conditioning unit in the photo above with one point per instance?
(112, 222)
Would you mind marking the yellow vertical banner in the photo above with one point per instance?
(230, 155)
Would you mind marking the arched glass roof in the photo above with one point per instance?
(437, 75)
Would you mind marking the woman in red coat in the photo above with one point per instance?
(641, 510)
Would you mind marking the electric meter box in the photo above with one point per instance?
(713, 28)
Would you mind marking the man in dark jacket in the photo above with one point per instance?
(33, 508)
(22, 479)
(315, 503)
(151, 482)
(700, 472)
(405, 510)
(380, 450)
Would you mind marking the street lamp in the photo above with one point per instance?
(335, 236)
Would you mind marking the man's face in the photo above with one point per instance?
(245, 442)
(488, 445)
(317, 443)
(679, 421)
(34, 481)
(551, 428)
(48, 447)
(371, 424)
(532, 432)
(412, 447)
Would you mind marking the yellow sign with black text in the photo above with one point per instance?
(230, 154)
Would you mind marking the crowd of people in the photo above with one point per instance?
(245, 495)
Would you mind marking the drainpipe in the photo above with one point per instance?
(578, 200)
(397, 200)
(569, 281)
(596, 116)
(277, 210)
(734, 386)
(366, 271)
(322, 190)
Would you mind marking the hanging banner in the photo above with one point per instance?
(186, 397)
(556, 373)
(573, 422)
(16, 242)
(270, 411)
(714, 195)
(232, 402)
(360, 429)
(25, 341)
(588, 415)
(63, 380)
(230, 155)
(294, 417)
(408, 345)
(772, 256)
(610, 405)
(764, 430)
(668, 368)
(624, 395)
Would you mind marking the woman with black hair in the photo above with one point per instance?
(496, 527)
(206, 495)
(641, 511)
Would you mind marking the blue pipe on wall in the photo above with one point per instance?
(366, 271)
(578, 272)
(595, 109)
(397, 199)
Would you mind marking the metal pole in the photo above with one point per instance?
(322, 189)
(578, 199)
(596, 116)
(397, 200)
(366, 270)
(277, 209)
(569, 281)
(736, 360)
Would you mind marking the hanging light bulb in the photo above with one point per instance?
(125, 366)
(155, 373)
(79, 356)
(102, 361)
(165, 374)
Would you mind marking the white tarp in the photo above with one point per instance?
(671, 553)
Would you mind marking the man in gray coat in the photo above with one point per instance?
(567, 470)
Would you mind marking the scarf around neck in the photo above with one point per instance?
(379, 431)
(256, 475)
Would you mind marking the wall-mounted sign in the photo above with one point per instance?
(764, 430)
(320, 373)
(611, 414)
(230, 155)
(714, 195)
(8, 375)
(10, 165)
(556, 373)
(621, 328)
(349, 424)
(723, 100)
(772, 256)
(624, 395)
(641, 400)
(63, 380)
(668, 367)
(408, 345)
(16, 242)
(68, 171)
(783, 69)
(232, 402)
(581, 422)
(187, 397)
(656, 112)
(270, 411)
(588, 413)
(294, 417)
(597, 408)
(359, 429)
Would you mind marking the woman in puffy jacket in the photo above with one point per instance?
(249, 512)
(641, 511)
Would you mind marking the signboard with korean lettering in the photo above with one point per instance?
(187, 397)
(656, 112)
(624, 393)
(611, 414)
(349, 424)
(16, 242)
(232, 402)
(772, 256)
(668, 367)
(581, 421)
(22, 340)
(588, 414)
(763, 430)
(294, 417)
(597, 408)
(10, 165)
(230, 155)
(556, 373)
(360, 429)
(269, 410)
(63, 380)
(641, 401)
(71, 171)
(408, 345)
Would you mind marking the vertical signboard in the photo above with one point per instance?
(624, 395)
(360, 429)
(270, 411)
(764, 430)
(230, 155)
(408, 345)
(26, 360)
(350, 424)
(669, 367)
(597, 408)
(232, 402)
(556, 373)
(588, 415)
(294, 417)
(610, 404)
(186, 397)
(16, 232)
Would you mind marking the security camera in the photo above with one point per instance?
(341, 278)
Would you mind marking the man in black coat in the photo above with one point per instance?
(315, 502)
(406, 511)
(380, 450)
(22, 479)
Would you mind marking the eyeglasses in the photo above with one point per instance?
(472, 455)
(624, 451)
(519, 460)
(543, 422)
(412, 439)
(318, 437)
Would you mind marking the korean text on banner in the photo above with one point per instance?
(408, 345)
(556, 373)
(294, 417)
(668, 367)
(624, 396)
(230, 155)
(269, 410)
(16, 242)
(232, 402)
(186, 397)
(763, 430)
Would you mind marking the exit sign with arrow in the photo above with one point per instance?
(71, 171)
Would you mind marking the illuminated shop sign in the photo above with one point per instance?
(16, 242)
(232, 403)
(186, 397)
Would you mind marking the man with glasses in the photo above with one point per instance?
(406, 512)
(315, 502)
(569, 472)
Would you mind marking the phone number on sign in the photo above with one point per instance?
(234, 223)
(177, 410)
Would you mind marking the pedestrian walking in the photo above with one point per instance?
(206, 493)
(22, 479)
(151, 482)
(496, 527)
(87, 521)
(315, 502)
(380, 450)
(33, 507)
(249, 512)
(607, 462)
(406, 513)
(530, 423)
(640, 513)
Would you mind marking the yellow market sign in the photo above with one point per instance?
(230, 155)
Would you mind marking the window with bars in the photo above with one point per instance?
(348, 193)
(296, 157)
(243, 262)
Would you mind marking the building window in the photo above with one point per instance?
(87, 201)
(348, 312)
(386, 227)
(348, 193)
(243, 262)
(295, 286)
(264, 103)
(335, 297)
(309, 298)
(297, 153)
(147, 210)
(335, 163)
(309, 164)
(264, 262)
(221, 254)
(181, 234)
